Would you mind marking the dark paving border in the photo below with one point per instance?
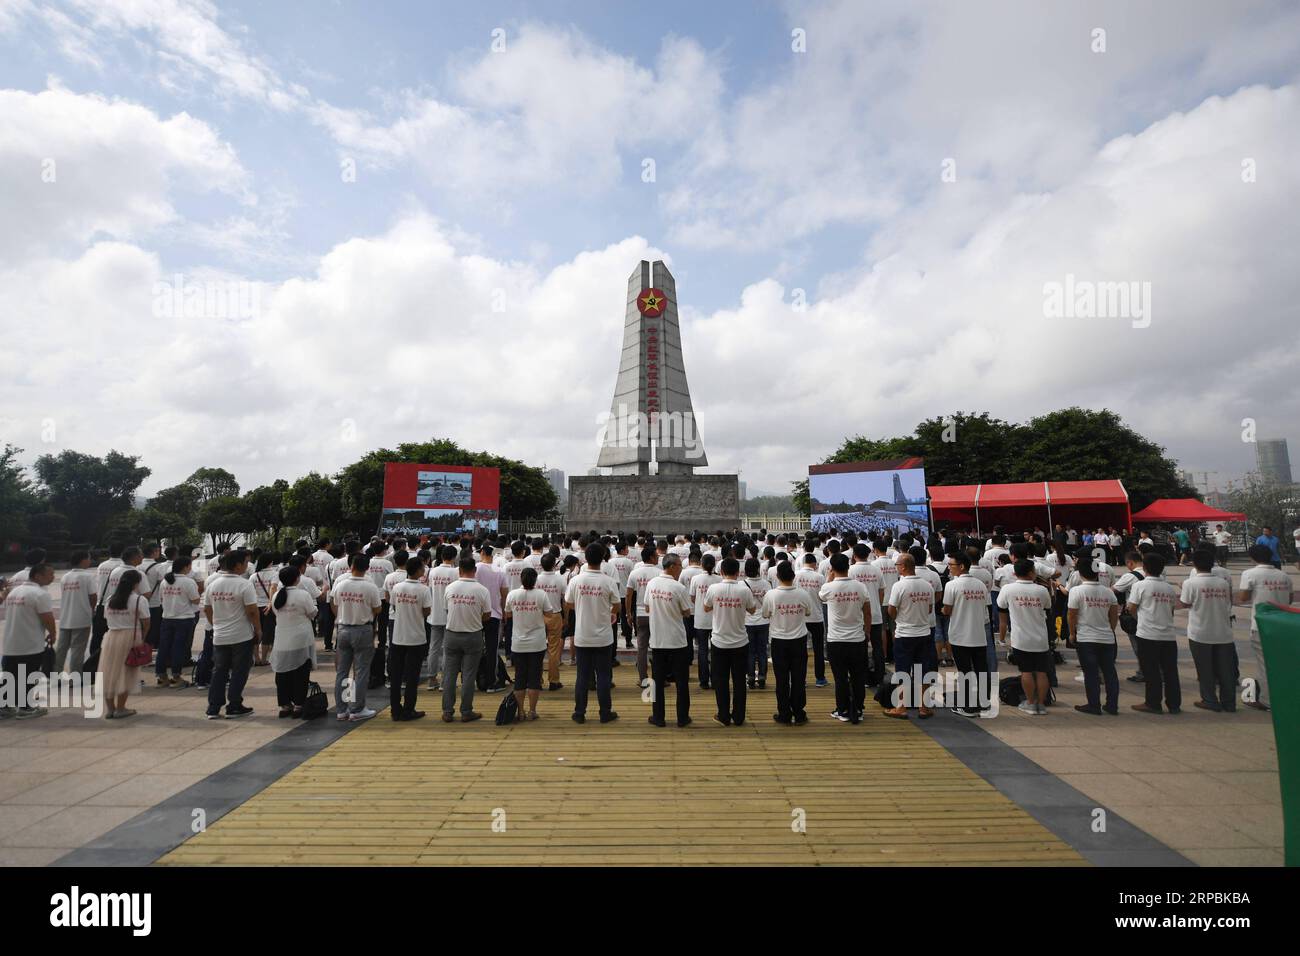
(160, 829)
(1048, 799)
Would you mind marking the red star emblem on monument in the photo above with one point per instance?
(651, 303)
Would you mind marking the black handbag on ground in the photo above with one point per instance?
(508, 710)
(317, 703)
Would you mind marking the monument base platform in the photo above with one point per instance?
(656, 503)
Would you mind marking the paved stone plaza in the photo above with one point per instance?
(1197, 788)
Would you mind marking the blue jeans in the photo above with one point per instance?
(757, 650)
(1098, 663)
(230, 666)
(174, 645)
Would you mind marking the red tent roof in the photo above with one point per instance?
(1184, 509)
(1029, 493)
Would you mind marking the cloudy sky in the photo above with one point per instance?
(426, 218)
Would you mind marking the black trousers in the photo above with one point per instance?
(672, 662)
(876, 666)
(849, 665)
(593, 659)
(728, 671)
(1216, 673)
(492, 671)
(1159, 661)
(973, 664)
(291, 686)
(817, 632)
(702, 635)
(31, 664)
(325, 623)
(790, 666)
(404, 662)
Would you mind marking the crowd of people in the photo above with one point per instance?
(456, 616)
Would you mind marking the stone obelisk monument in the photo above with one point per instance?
(651, 443)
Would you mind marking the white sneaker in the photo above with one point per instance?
(364, 714)
(1078, 678)
(342, 716)
(988, 714)
(840, 717)
(645, 682)
(1025, 707)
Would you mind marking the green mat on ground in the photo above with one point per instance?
(1279, 633)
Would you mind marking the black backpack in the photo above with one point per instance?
(316, 704)
(1127, 622)
(508, 710)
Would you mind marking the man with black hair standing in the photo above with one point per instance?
(848, 621)
(1023, 606)
(410, 601)
(230, 607)
(1152, 602)
(788, 608)
(469, 609)
(668, 604)
(637, 581)
(727, 602)
(593, 598)
(357, 603)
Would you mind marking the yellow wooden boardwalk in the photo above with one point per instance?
(626, 793)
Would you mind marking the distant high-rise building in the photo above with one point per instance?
(744, 492)
(1273, 460)
(556, 478)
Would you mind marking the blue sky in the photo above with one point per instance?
(498, 207)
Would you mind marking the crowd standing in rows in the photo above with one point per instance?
(453, 610)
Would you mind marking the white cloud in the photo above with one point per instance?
(80, 167)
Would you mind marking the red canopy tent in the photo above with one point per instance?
(1079, 503)
(1181, 510)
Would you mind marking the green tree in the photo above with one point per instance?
(312, 502)
(1072, 444)
(213, 483)
(266, 509)
(224, 518)
(181, 500)
(90, 490)
(768, 505)
(1267, 504)
(18, 498)
(156, 525)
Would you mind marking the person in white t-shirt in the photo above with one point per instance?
(623, 566)
(789, 607)
(551, 583)
(641, 575)
(1093, 613)
(1208, 598)
(439, 578)
(670, 650)
(965, 605)
(727, 602)
(911, 606)
(848, 622)
(76, 612)
(127, 616)
(1024, 605)
(864, 569)
(29, 630)
(230, 607)
(526, 607)
(593, 598)
(702, 620)
(410, 602)
(756, 628)
(1261, 584)
(812, 581)
(293, 654)
(181, 606)
(1152, 601)
(357, 603)
(469, 608)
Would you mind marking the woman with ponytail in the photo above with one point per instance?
(180, 612)
(127, 617)
(264, 587)
(294, 651)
